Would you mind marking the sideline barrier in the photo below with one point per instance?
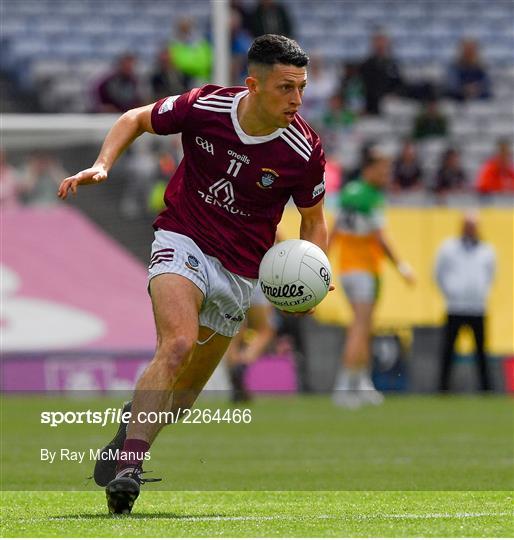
(417, 234)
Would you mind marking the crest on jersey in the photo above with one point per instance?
(268, 177)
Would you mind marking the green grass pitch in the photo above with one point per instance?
(416, 466)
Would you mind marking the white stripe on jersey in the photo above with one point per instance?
(215, 103)
(286, 136)
(215, 109)
(301, 138)
(298, 142)
(215, 96)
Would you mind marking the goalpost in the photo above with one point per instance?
(221, 34)
(47, 131)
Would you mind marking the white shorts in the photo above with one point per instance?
(360, 287)
(258, 298)
(227, 296)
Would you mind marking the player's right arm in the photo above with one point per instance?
(403, 267)
(123, 133)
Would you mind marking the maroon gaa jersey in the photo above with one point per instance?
(230, 189)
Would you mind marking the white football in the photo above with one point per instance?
(295, 275)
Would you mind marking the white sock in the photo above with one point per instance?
(365, 382)
(348, 379)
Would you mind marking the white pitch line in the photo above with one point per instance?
(232, 518)
(458, 515)
(365, 517)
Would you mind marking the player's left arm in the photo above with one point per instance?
(335, 230)
(313, 226)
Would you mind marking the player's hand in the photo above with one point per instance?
(309, 311)
(93, 175)
(407, 273)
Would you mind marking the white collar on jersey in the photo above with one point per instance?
(245, 138)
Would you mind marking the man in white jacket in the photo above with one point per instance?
(464, 272)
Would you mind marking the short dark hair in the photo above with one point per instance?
(374, 153)
(271, 49)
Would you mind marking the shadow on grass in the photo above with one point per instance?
(142, 515)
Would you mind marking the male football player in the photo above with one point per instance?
(363, 244)
(246, 152)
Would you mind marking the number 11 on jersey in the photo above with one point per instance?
(234, 167)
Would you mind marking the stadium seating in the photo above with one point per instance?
(424, 32)
(61, 48)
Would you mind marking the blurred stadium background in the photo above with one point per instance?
(75, 310)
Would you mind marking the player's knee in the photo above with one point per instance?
(174, 351)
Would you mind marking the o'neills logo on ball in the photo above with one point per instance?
(284, 291)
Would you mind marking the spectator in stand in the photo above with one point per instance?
(430, 122)
(43, 175)
(322, 85)
(380, 73)
(246, 22)
(497, 173)
(356, 173)
(407, 171)
(271, 17)
(464, 271)
(337, 115)
(352, 88)
(165, 79)
(450, 177)
(120, 91)
(12, 186)
(467, 77)
(239, 44)
(191, 53)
